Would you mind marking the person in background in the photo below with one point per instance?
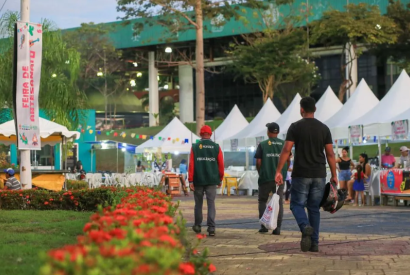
(183, 168)
(312, 139)
(140, 168)
(366, 169)
(289, 178)
(206, 172)
(405, 157)
(388, 160)
(345, 174)
(11, 183)
(79, 166)
(358, 185)
(267, 159)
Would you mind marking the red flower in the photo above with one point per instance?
(195, 252)
(201, 236)
(27, 197)
(72, 197)
(21, 195)
(87, 227)
(211, 268)
(187, 268)
(46, 202)
(168, 239)
(51, 199)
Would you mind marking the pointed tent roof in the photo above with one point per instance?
(174, 130)
(395, 102)
(232, 125)
(48, 130)
(291, 114)
(267, 114)
(328, 105)
(362, 101)
(402, 116)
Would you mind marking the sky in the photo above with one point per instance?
(68, 13)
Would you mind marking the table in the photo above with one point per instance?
(47, 179)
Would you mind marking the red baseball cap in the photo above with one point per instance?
(205, 130)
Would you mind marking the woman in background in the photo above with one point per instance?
(140, 168)
(345, 166)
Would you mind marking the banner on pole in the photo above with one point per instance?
(27, 72)
(234, 145)
(356, 134)
(400, 129)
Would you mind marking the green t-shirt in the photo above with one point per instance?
(269, 152)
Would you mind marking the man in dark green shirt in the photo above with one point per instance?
(267, 159)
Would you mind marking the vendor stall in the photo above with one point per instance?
(51, 133)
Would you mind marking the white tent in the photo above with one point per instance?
(328, 105)
(51, 133)
(172, 140)
(267, 114)
(362, 101)
(403, 116)
(232, 124)
(291, 114)
(377, 121)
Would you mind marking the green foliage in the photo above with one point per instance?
(399, 51)
(26, 234)
(360, 24)
(276, 58)
(78, 200)
(76, 184)
(60, 96)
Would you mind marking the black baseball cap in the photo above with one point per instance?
(273, 127)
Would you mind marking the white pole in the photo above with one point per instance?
(25, 165)
(379, 145)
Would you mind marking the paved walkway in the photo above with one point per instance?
(354, 241)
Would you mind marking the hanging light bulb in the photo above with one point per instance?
(168, 50)
(135, 64)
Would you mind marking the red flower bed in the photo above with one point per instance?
(137, 236)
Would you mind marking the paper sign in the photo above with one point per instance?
(400, 129)
(234, 145)
(356, 134)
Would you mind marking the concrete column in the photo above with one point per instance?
(153, 90)
(186, 93)
(354, 69)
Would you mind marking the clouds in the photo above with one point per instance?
(69, 13)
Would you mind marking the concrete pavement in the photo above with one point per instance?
(354, 241)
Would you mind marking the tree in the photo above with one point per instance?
(398, 52)
(59, 97)
(359, 25)
(100, 61)
(183, 15)
(276, 57)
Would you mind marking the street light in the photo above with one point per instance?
(168, 50)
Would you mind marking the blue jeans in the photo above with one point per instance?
(306, 192)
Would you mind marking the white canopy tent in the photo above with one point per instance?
(377, 122)
(232, 125)
(291, 114)
(51, 133)
(267, 114)
(328, 105)
(362, 101)
(172, 140)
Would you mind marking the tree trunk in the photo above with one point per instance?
(200, 78)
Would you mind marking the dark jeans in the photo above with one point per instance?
(210, 192)
(307, 193)
(263, 196)
(288, 187)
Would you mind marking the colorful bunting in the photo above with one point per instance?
(115, 134)
(99, 132)
(133, 135)
(90, 131)
(186, 140)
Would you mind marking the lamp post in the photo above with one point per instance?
(25, 163)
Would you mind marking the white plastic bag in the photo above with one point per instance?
(270, 217)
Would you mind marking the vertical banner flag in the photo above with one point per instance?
(356, 134)
(27, 71)
(400, 129)
(234, 145)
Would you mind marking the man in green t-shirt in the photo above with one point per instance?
(206, 172)
(267, 159)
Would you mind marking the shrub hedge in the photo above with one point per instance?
(76, 184)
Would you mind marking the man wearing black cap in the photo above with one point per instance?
(267, 159)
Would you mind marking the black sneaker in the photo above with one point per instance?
(263, 229)
(196, 228)
(211, 233)
(314, 247)
(276, 231)
(306, 241)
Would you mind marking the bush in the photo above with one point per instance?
(137, 236)
(78, 200)
(76, 184)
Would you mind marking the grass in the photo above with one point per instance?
(372, 150)
(25, 235)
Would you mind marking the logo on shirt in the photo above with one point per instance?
(269, 142)
(273, 155)
(208, 146)
(200, 146)
(205, 159)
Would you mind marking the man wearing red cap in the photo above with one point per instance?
(206, 172)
